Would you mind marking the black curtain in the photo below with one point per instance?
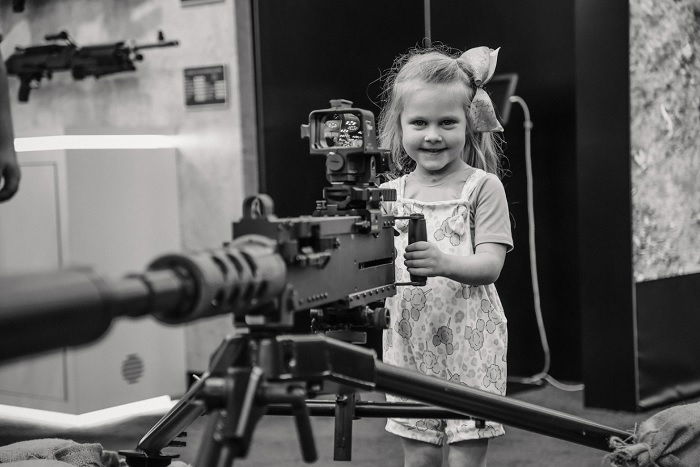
(309, 52)
(537, 43)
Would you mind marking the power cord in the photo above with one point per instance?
(544, 374)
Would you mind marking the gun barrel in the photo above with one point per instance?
(156, 45)
(45, 311)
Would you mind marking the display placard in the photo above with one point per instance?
(206, 86)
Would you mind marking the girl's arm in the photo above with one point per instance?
(483, 267)
(492, 236)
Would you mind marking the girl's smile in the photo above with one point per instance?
(435, 151)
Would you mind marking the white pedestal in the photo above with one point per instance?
(113, 210)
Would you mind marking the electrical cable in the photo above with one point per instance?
(427, 40)
(544, 374)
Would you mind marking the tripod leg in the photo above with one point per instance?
(215, 451)
(209, 451)
(519, 414)
(303, 424)
(188, 408)
(344, 414)
(229, 432)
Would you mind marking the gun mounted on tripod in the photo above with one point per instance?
(337, 261)
(34, 63)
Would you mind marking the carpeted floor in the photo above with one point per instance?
(275, 440)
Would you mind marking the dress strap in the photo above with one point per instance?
(396, 184)
(400, 185)
(471, 183)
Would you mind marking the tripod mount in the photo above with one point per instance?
(253, 374)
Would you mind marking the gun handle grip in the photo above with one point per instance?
(24, 89)
(417, 233)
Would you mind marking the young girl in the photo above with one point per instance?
(438, 123)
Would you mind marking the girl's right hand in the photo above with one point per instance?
(424, 259)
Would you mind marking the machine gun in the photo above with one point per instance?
(337, 261)
(34, 63)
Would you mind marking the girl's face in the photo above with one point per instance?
(434, 126)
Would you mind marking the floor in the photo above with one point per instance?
(275, 440)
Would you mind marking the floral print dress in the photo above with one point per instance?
(445, 329)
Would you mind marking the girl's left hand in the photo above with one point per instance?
(424, 259)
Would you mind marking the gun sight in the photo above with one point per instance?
(347, 137)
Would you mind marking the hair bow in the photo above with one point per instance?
(480, 63)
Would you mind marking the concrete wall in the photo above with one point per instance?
(217, 164)
(665, 131)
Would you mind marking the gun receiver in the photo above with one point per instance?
(34, 63)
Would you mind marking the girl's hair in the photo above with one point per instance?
(432, 66)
